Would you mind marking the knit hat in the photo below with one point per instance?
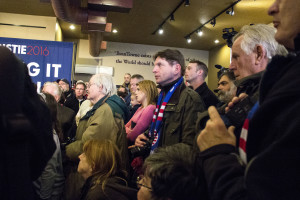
(65, 80)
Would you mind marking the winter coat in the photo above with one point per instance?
(272, 146)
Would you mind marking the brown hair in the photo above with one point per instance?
(149, 88)
(105, 160)
(172, 56)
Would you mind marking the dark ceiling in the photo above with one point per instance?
(146, 15)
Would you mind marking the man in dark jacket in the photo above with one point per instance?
(195, 74)
(74, 100)
(177, 103)
(271, 147)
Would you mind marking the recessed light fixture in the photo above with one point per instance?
(217, 41)
(114, 30)
(72, 27)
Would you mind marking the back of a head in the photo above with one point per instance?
(106, 81)
(172, 55)
(97, 151)
(53, 89)
(174, 174)
(21, 97)
(260, 34)
(12, 78)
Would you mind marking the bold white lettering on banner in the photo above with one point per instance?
(23, 49)
(35, 70)
(38, 86)
(56, 66)
(48, 70)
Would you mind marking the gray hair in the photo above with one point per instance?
(107, 82)
(260, 34)
(56, 89)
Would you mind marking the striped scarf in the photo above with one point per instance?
(155, 128)
(244, 134)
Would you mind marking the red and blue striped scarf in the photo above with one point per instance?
(155, 128)
(244, 134)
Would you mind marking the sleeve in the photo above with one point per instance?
(47, 177)
(128, 127)
(99, 127)
(192, 106)
(224, 172)
(142, 123)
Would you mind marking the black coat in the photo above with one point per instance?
(273, 150)
(115, 189)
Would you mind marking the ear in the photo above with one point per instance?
(100, 87)
(199, 72)
(177, 69)
(260, 54)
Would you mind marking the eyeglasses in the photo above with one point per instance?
(139, 181)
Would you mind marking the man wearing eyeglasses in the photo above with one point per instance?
(75, 100)
(171, 173)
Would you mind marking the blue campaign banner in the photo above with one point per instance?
(46, 60)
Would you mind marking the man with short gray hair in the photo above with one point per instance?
(104, 121)
(252, 49)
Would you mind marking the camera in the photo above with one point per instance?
(237, 115)
(234, 117)
(142, 151)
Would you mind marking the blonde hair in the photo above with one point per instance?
(149, 88)
(105, 159)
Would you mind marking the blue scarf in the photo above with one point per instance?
(155, 128)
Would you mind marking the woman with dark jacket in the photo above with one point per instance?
(100, 165)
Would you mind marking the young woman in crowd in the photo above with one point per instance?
(51, 182)
(146, 94)
(100, 166)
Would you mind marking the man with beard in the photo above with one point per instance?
(226, 87)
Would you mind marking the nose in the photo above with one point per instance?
(154, 69)
(232, 66)
(273, 9)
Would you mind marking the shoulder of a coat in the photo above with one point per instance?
(192, 94)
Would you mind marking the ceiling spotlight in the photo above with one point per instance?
(217, 41)
(72, 27)
(114, 30)
(213, 22)
(230, 12)
(189, 40)
(172, 18)
(200, 33)
(187, 3)
(160, 31)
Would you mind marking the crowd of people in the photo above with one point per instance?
(171, 139)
